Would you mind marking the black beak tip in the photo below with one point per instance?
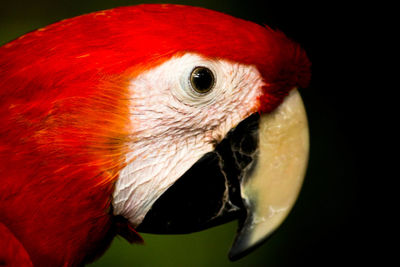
(242, 248)
(239, 251)
(234, 255)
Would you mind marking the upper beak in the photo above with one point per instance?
(253, 175)
(270, 192)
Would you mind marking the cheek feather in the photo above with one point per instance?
(174, 129)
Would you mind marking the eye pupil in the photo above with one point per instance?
(202, 80)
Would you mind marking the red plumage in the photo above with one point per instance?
(64, 125)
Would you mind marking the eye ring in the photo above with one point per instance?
(202, 80)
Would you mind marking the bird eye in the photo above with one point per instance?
(202, 80)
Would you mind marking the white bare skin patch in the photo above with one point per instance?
(174, 126)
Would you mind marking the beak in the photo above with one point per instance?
(254, 175)
(270, 193)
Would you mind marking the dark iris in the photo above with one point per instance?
(202, 80)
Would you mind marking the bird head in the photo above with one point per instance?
(185, 117)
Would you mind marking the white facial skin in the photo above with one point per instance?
(174, 126)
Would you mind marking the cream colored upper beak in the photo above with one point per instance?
(272, 189)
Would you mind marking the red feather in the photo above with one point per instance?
(64, 112)
(12, 253)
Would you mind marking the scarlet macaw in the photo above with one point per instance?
(152, 118)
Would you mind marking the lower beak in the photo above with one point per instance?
(270, 192)
(253, 175)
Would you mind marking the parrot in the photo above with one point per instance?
(154, 118)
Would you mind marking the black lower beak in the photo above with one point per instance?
(209, 193)
(253, 175)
